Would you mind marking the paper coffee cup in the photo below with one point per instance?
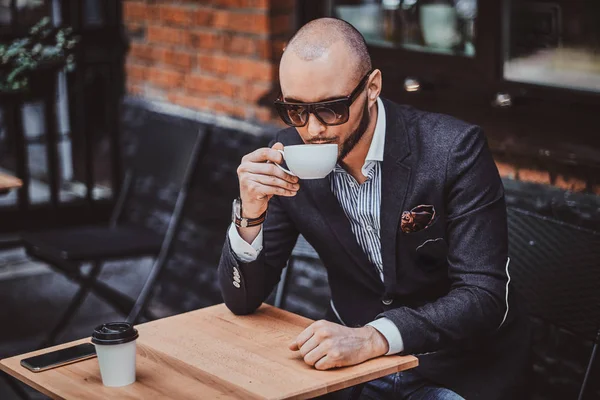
(115, 346)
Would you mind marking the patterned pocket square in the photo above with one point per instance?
(417, 219)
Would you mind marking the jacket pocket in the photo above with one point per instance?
(428, 247)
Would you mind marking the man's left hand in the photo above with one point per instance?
(326, 345)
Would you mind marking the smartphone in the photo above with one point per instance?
(57, 358)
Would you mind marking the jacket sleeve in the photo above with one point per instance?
(259, 277)
(476, 230)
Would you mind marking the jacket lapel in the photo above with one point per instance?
(332, 212)
(395, 179)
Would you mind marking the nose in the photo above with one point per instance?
(314, 126)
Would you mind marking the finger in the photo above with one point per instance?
(324, 363)
(277, 146)
(264, 154)
(269, 180)
(310, 345)
(259, 191)
(267, 169)
(304, 336)
(315, 355)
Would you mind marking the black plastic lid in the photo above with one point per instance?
(114, 333)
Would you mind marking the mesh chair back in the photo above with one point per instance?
(164, 149)
(556, 268)
(164, 154)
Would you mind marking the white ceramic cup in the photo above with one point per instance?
(439, 25)
(116, 348)
(310, 161)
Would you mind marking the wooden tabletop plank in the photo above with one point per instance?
(8, 182)
(212, 353)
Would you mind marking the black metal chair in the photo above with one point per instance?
(167, 154)
(301, 251)
(555, 267)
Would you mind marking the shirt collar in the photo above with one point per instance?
(375, 152)
(378, 142)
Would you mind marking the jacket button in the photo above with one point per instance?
(387, 302)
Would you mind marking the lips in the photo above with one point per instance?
(322, 142)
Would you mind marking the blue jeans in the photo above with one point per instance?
(406, 385)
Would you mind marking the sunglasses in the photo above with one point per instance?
(330, 112)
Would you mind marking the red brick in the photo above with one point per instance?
(141, 52)
(241, 3)
(570, 183)
(253, 92)
(203, 17)
(255, 70)
(135, 11)
(240, 44)
(153, 54)
(176, 36)
(174, 15)
(205, 40)
(506, 170)
(256, 4)
(177, 59)
(216, 64)
(193, 102)
(241, 22)
(136, 73)
(164, 78)
(209, 85)
(535, 176)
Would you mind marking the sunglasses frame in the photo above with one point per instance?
(281, 105)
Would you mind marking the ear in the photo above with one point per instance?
(374, 86)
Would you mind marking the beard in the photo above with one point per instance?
(349, 144)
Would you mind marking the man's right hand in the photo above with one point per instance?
(260, 180)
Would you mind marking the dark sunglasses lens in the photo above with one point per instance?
(292, 114)
(333, 113)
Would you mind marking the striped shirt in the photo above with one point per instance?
(361, 203)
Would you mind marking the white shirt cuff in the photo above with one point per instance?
(390, 332)
(244, 251)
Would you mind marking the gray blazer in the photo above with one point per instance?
(445, 287)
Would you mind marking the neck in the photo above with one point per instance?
(355, 160)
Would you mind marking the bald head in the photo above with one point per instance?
(315, 39)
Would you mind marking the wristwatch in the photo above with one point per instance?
(241, 222)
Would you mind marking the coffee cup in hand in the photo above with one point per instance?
(310, 161)
(116, 346)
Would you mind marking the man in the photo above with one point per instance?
(411, 226)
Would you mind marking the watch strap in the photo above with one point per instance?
(249, 222)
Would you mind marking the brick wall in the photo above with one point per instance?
(219, 56)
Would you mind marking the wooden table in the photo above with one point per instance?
(208, 354)
(8, 182)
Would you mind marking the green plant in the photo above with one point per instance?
(44, 46)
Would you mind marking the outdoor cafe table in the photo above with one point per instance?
(211, 353)
(8, 182)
